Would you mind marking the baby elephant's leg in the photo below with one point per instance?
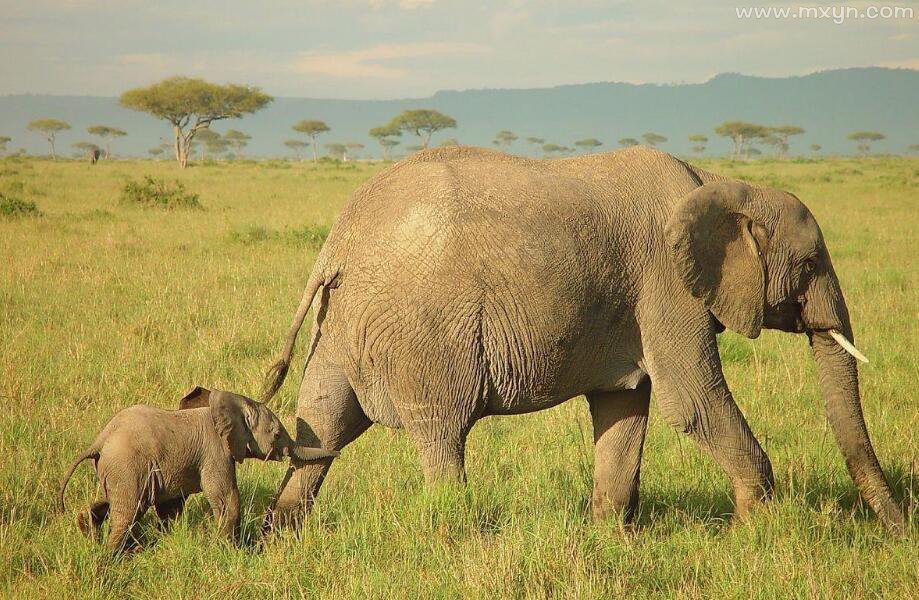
(168, 510)
(124, 513)
(223, 496)
(90, 521)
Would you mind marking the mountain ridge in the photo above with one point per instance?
(828, 104)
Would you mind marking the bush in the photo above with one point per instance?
(11, 206)
(157, 193)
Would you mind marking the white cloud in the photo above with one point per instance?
(371, 62)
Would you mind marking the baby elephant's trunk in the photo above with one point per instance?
(291, 449)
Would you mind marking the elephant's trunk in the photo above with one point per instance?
(839, 385)
(826, 317)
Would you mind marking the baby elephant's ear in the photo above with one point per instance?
(232, 415)
(196, 398)
(307, 454)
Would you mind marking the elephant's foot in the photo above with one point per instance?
(614, 508)
(750, 496)
(295, 498)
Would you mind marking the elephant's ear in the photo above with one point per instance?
(712, 243)
(233, 417)
(196, 398)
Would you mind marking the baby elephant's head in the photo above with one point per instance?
(250, 429)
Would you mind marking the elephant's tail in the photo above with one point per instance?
(91, 453)
(274, 379)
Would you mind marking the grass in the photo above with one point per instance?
(105, 305)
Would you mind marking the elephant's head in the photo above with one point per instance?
(756, 258)
(250, 429)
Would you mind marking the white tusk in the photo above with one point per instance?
(847, 345)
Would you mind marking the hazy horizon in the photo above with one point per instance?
(403, 49)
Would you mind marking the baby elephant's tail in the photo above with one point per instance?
(91, 453)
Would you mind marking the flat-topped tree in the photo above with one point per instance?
(781, 134)
(383, 135)
(536, 142)
(354, 148)
(88, 149)
(237, 139)
(816, 148)
(423, 123)
(699, 140)
(4, 140)
(336, 150)
(588, 144)
(504, 139)
(626, 142)
(741, 133)
(653, 139)
(863, 139)
(312, 129)
(107, 134)
(48, 128)
(296, 146)
(191, 105)
(552, 149)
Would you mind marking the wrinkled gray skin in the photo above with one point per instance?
(464, 282)
(148, 456)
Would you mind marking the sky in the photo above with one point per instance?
(381, 49)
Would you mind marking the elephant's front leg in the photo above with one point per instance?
(620, 420)
(693, 397)
(328, 416)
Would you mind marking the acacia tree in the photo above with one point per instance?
(423, 123)
(383, 135)
(700, 141)
(156, 152)
(107, 134)
(48, 128)
(312, 129)
(741, 133)
(864, 139)
(336, 150)
(88, 149)
(237, 139)
(191, 105)
(653, 139)
(504, 138)
(4, 140)
(537, 143)
(353, 148)
(914, 148)
(779, 137)
(588, 144)
(552, 149)
(815, 148)
(626, 142)
(208, 140)
(296, 146)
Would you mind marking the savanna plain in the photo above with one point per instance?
(104, 305)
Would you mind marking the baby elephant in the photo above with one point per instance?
(147, 456)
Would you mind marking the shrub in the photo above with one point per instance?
(10, 206)
(157, 193)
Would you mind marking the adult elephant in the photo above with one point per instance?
(465, 282)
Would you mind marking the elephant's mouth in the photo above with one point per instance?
(787, 316)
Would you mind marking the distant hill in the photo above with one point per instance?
(828, 105)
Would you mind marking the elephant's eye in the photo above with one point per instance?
(810, 265)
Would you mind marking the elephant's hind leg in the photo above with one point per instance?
(438, 414)
(620, 420)
(328, 415)
(90, 521)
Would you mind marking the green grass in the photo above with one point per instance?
(105, 305)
